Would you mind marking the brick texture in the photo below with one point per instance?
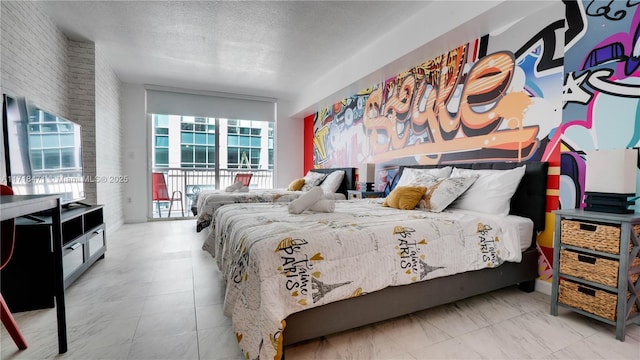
(109, 142)
(71, 79)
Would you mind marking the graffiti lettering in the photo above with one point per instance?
(448, 109)
(320, 145)
(575, 90)
(551, 37)
(599, 81)
(595, 8)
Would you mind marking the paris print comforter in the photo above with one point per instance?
(276, 263)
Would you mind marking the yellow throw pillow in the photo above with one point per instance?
(296, 184)
(405, 197)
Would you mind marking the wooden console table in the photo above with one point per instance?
(13, 206)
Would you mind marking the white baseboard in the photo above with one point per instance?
(543, 287)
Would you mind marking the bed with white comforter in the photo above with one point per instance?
(336, 182)
(276, 263)
(208, 201)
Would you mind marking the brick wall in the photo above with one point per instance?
(82, 93)
(34, 54)
(71, 79)
(109, 163)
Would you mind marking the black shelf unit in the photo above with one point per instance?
(27, 282)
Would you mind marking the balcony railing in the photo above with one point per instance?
(190, 181)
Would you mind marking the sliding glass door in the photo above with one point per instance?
(203, 153)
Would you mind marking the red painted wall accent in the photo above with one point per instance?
(553, 180)
(308, 143)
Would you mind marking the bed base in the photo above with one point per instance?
(528, 201)
(406, 299)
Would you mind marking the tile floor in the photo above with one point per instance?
(157, 295)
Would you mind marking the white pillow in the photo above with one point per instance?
(332, 182)
(312, 179)
(410, 174)
(443, 191)
(423, 180)
(491, 192)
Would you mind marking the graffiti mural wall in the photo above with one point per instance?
(601, 103)
(472, 103)
(538, 90)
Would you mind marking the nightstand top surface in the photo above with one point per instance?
(595, 215)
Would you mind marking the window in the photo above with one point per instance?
(197, 142)
(161, 140)
(190, 142)
(244, 144)
(51, 144)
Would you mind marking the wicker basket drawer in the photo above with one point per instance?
(605, 238)
(589, 299)
(592, 267)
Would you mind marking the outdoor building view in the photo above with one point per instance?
(200, 153)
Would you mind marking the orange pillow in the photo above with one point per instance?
(296, 184)
(405, 197)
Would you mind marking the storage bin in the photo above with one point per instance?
(593, 268)
(592, 300)
(594, 236)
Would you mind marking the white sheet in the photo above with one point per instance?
(525, 225)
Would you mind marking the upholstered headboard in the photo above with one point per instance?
(348, 181)
(530, 198)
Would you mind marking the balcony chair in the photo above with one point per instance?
(7, 240)
(160, 193)
(244, 177)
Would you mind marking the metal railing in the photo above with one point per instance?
(190, 181)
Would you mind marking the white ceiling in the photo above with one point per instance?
(308, 53)
(262, 48)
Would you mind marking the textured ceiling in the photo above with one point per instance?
(263, 48)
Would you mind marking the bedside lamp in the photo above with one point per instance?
(367, 175)
(611, 180)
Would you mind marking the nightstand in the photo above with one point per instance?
(357, 194)
(596, 265)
